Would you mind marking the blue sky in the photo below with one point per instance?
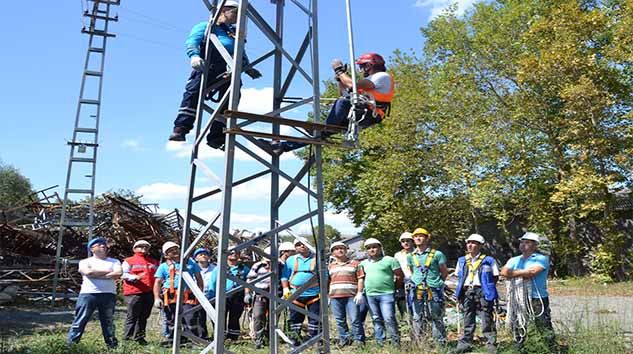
(146, 68)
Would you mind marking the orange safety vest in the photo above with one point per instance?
(294, 273)
(383, 100)
(170, 295)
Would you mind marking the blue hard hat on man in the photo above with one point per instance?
(95, 241)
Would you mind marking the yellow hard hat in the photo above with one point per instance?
(422, 231)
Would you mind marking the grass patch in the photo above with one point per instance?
(589, 286)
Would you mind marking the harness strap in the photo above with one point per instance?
(296, 270)
(308, 303)
(423, 270)
(472, 268)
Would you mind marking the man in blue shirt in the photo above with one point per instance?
(224, 29)
(166, 291)
(201, 256)
(235, 301)
(298, 270)
(533, 267)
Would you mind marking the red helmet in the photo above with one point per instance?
(370, 58)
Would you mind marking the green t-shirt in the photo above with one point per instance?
(433, 276)
(379, 275)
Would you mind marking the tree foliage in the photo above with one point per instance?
(14, 187)
(519, 110)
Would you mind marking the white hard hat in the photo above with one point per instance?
(476, 238)
(297, 241)
(231, 3)
(406, 236)
(337, 244)
(167, 245)
(531, 236)
(141, 243)
(371, 241)
(286, 246)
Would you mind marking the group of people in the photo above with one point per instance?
(412, 281)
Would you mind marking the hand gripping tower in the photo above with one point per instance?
(287, 68)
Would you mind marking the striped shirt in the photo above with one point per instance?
(344, 278)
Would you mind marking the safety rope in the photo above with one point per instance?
(519, 306)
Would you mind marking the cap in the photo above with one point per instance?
(167, 245)
(97, 240)
(337, 244)
(476, 238)
(406, 236)
(286, 246)
(421, 231)
(371, 241)
(297, 241)
(201, 250)
(141, 243)
(531, 236)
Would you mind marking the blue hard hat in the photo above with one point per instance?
(201, 250)
(97, 240)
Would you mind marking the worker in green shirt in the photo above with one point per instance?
(380, 287)
(429, 271)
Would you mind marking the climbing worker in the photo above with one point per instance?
(299, 269)
(380, 272)
(98, 292)
(427, 282)
(377, 84)
(201, 256)
(224, 29)
(530, 269)
(406, 242)
(138, 284)
(235, 301)
(166, 292)
(476, 293)
(346, 284)
(259, 302)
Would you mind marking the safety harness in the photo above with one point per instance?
(170, 295)
(422, 288)
(294, 273)
(472, 268)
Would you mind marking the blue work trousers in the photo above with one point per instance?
(342, 308)
(427, 310)
(85, 307)
(383, 313)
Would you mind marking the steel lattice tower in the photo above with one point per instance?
(80, 176)
(238, 139)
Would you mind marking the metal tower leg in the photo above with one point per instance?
(238, 138)
(85, 140)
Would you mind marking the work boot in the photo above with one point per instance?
(178, 134)
(462, 347)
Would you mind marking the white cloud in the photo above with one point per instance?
(133, 144)
(256, 100)
(162, 191)
(438, 6)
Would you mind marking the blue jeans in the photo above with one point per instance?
(341, 308)
(429, 310)
(383, 312)
(86, 306)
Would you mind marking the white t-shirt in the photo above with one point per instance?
(401, 257)
(382, 81)
(98, 285)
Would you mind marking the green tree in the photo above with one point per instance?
(14, 187)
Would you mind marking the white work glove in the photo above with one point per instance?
(158, 303)
(253, 73)
(359, 299)
(286, 293)
(197, 63)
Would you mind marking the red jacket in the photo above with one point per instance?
(144, 267)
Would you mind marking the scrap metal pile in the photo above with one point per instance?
(28, 237)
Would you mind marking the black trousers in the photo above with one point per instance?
(234, 310)
(189, 319)
(474, 304)
(139, 307)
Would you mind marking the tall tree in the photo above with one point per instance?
(14, 187)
